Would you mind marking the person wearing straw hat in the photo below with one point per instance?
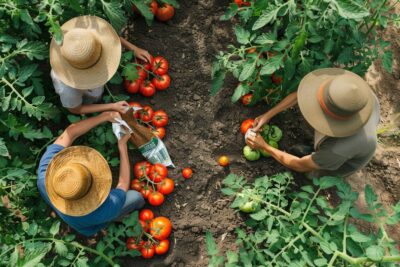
(344, 112)
(76, 180)
(86, 60)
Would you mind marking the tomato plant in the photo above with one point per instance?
(151, 8)
(279, 42)
(288, 225)
(165, 12)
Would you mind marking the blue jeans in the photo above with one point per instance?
(134, 201)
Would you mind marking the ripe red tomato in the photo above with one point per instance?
(159, 65)
(142, 73)
(160, 228)
(156, 199)
(166, 186)
(223, 161)
(159, 132)
(146, 114)
(276, 79)
(165, 12)
(136, 185)
(138, 105)
(247, 124)
(141, 169)
(162, 247)
(145, 225)
(162, 82)
(132, 87)
(160, 118)
(147, 250)
(147, 89)
(240, 3)
(132, 244)
(187, 173)
(158, 172)
(146, 191)
(146, 215)
(246, 99)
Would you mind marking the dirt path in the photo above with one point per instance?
(202, 127)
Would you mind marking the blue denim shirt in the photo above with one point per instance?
(96, 220)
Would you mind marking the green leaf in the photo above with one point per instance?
(259, 216)
(387, 61)
(266, 38)
(227, 191)
(242, 36)
(273, 64)
(26, 71)
(359, 237)
(60, 248)
(130, 72)
(240, 91)
(144, 10)
(55, 228)
(3, 148)
(375, 253)
(266, 17)
(26, 17)
(350, 9)
(321, 262)
(217, 82)
(328, 181)
(370, 196)
(115, 14)
(230, 13)
(248, 69)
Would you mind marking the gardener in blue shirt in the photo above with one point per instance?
(76, 180)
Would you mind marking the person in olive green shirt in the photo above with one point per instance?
(344, 113)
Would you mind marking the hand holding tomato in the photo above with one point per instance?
(246, 125)
(256, 142)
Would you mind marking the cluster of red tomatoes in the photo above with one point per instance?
(147, 86)
(156, 120)
(163, 12)
(154, 237)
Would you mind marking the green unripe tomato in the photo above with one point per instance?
(249, 207)
(250, 154)
(271, 143)
(275, 134)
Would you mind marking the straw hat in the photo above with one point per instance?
(78, 180)
(89, 55)
(335, 102)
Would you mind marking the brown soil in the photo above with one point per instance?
(203, 127)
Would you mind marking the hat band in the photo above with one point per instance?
(326, 106)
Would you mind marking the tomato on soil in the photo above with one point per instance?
(160, 118)
(159, 132)
(223, 161)
(142, 169)
(132, 87)
(146, 191)
(159, 65)
(138, 105)
(147, 250)
(146, 215)
(156, 199)
(131, 244)
(246, 99)
(160, 228)
(158, 172)
(136, 185)
(165, 12)
(147, 89)
(146, 114)
(161, 83)
(162, 247)
(187, 173)
(246, 125)
(166, 186)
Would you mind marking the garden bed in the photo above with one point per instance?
(203, 127)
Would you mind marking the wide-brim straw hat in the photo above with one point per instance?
(78, 180)
(335, 102)
(89, 55)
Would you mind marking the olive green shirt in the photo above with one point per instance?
(346, 155)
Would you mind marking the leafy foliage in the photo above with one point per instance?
(289, 39)
(302, 229)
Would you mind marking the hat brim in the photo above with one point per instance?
(100, 73)
(101, 180)
(314, 114)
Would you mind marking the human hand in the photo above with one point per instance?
(142, 54)
(121, 106)
(111, 116)
(260, 121)
(256, 142)
(124, 140)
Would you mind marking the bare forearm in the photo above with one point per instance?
(124, 169)
(286, 103)
(92, 108)
(125, 43)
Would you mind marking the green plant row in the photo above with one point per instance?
(287, 39)
(291, 228)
